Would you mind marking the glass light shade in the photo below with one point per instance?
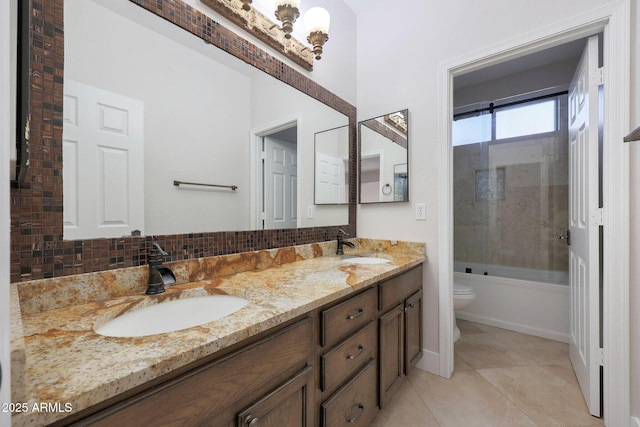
(316, 19)
(294, 3)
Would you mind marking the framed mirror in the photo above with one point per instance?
(383, 150)
(41, 247)
(331, 176)
(182, 112)
(20, 157)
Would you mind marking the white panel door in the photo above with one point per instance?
(329, 179)
(280, 184)
(103, 155)
(583, 204)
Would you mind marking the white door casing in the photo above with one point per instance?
(280, 184)
(7, 104)
(614, 19)
(584, 340)
(103, 173)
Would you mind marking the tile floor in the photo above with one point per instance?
(501, 378)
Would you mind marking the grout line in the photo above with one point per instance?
(423, 402)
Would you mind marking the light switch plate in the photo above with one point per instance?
(421, 211)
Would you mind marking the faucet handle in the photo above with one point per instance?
(158, 248)
(343, 232)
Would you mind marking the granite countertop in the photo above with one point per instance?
(58, 360)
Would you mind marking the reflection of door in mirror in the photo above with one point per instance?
(103, 148)
(280, 179)
(331, 166)
(384, 143)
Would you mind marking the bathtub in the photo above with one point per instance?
(523, 305)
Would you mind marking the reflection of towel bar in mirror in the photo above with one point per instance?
(386, 189)
(179, 183)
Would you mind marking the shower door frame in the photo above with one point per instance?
(614, 20)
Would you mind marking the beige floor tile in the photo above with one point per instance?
(460, 365)
(509, 349)
(405, 409)
(468, 400)
(549, 395)
(467, 327)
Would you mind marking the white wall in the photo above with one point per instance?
(7, 104)
(405, 62)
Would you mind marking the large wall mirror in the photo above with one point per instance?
(168, 95)
(384, 158)
(147, 104)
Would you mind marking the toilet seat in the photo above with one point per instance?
(462, 290)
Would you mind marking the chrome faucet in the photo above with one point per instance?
(341, 242)
(159, 276)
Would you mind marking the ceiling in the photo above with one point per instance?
(567, 51)
(359, 6)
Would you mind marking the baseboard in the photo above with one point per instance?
(543, 333)
(635, 422)
(430, 362)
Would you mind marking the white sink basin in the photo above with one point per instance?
(365, 260)
(172, 316)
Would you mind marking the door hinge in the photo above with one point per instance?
(599, 357)
(597, 216)
(263, 216)
(598, 77)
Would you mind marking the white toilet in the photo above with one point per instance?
(463, 295)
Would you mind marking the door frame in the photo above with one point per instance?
(256, 164)
(8, 31)
(614, 20)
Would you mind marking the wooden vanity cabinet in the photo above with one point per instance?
(267, 383)
(348, 348)
(400, 330)
(336, 366)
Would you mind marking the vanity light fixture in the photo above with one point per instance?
(246, 5)
(287, 12)
(316, 22)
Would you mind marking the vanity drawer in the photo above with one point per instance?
(340, 321)
(345, 359)
(355, 403)
(395, 290)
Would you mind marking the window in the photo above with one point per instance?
(471, 130)
(526, 119)
(505, 121)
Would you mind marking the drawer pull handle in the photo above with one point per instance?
(353, 356)
(351, 419)
(355, 316)
(411, 305)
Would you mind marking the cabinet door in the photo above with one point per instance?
(290, 405)
(391, 352)
(413, 331)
